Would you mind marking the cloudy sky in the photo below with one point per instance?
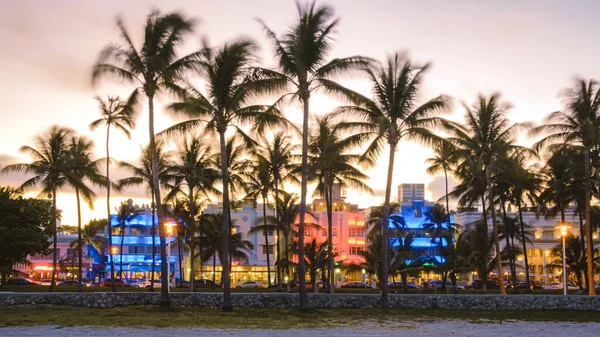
(528, 50)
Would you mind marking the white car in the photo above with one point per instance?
(249, 284)
(559, 285)
(157, 284)
(46, 282)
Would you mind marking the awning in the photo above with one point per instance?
(134, 269)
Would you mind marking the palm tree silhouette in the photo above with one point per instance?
(121, 116)
(153, 68)
(51, 167)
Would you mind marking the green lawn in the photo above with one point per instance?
(260, 318)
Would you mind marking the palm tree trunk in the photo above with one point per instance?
(287, 263)
(110, 254)
(264, 197)
(509, 249)
(303, 300)
(192, 243)
(55, 241)
(524, 243)
(582, 238)
(588, 225)
(164, 290)
(153, 206)
(225, 227)
(488, 176)
(385, 230)
(447, 198)
(278, 263)
(79, 245)
(179, 255)
(121, 252)
(329, 203)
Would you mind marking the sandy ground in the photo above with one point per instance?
(440, 328)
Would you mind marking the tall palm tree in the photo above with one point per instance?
(51, 167)
(154, 68)
(84, 168)
(578, 124)
(391, 117)
(142, 174)
(574, 258)
(231, 84)
(329, 163)
(195, 169)
(487, 139)
(120, 115)
(259, 182)
(443, 160)
(301, 55)
(278, 153)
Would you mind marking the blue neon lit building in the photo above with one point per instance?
(412, 219)
(137, 248)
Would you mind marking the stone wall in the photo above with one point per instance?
(286, 300)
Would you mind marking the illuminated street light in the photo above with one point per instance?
(169, 228)
(563, 233)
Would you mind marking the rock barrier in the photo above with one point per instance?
(315, 301)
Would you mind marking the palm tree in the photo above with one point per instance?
(316, 258)
(475, 246)
(51, 167)
(330, 163)
(405, 259)
(126, 212)
(578, 124)
(211, 239)
(153, 68)
(230, 85)
(259, 182)
(278, 154)
(443, 160)
(91, 237)
(288, 211)
(83, 168)
(439, 227)
(301, 54)
(393, 116)
(194, 168)
(143, 175)
(486, 139)
(574, 257)
(120, 115)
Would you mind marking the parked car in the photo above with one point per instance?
(118, 283)
(135, 282)
(206, 283)
(356, 284)
(478, 284)
(22, 281)
(559, 285)
(400, 285)
(438, 284)
(46, 282)
(249, 284)
(157, 284)
(69, 283)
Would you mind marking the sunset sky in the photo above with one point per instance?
(528, 50)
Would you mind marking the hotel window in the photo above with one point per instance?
(264, 249)
(306, 231)
(270, 231)
(356, 232)
(334, 231)
(324, 233)
(134, 231)
(355, 250)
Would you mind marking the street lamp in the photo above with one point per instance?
(169, 229)
(563, 233)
